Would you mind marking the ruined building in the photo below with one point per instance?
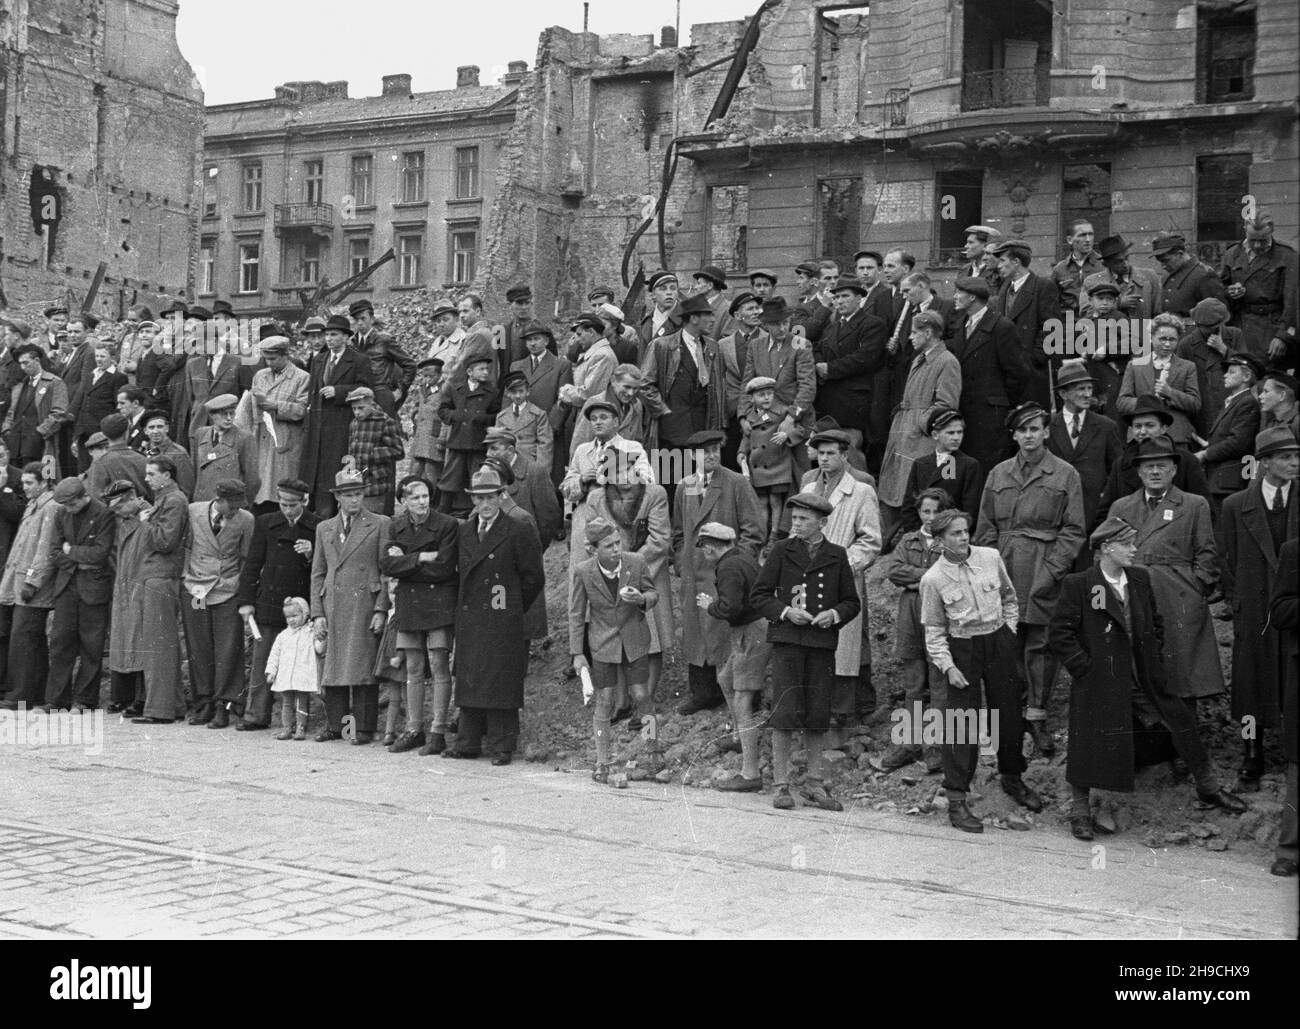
(101, 142)
(896, 125)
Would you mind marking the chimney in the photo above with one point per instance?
(515, 73)
(397, 85)
(289, 91)
(467, 75)
(312, 91)
(667, 37)
(336, 90)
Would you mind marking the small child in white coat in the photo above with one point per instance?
(292, 669)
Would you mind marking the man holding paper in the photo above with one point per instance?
(279, 402)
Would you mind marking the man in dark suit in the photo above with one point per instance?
(335, 372)
(1029, 301)
(813, 310)
(662, 319)
(917, 297)
(131, 406)
(96, 399)
(1088, 441)
(547, 374)
(993, 371)
(1187, 281)
(850, 352)
(1232, 434)
(1149, 419)
(82, 548)
(949, 468)
(278, 566)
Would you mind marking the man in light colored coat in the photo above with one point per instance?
(280, 396)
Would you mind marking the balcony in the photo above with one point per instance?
(315, 218)
(1005, 87)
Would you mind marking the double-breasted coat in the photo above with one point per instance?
(1176, 544)
(962, 478)
(1034, 517)
(993, 379)
(347, 591)
(728, 499)
(824, 582)
(1250, 571)
(1110, 656)
(51, 402)
(1232, 438)
(426, 590)
(853, 350)
(234, 457)
(933, 381)
(1189, 477)
(329, 420)
(273, 570)
(615, 630)
(1029, 308)
(278, 457)
(501, 576)
(1183, 402)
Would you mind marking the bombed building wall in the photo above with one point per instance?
(101, 123)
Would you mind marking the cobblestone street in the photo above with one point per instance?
(178, 831)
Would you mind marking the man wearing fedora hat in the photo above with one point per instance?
(1149, 419)
(1139, 288)
(500, 568)
(711, 282)
(1262, 283)
(1176, 542)
(1254, 524)
(1087, 441)
(1187, 281)
(349, 606)
(335, 371)
(847, 357)
(1208, 345)
(1232, 434)
(662, 318)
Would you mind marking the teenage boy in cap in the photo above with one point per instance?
(763, 282)
(1186, 280)
(375, 447)
(82, 549)
(1232, 433)
(948, 468)
(1260, 276)
(426, 446)
(1254, 524)
(742, 652)
(847, 357)
(970, 612)
(1032, 511)
(1176, 541)
(711, 282)
(335, 372)
(1277, 402)
(1029, 301)
(807, 592)
(224, 451)
(349, 608)
(1208, 345)
(157, 426)
(662, 317)
(468, 409)
(1106, 630)
(221, 531)
(527, 423)
(612, 591)
(280, 397)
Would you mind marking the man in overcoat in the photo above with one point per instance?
(1227, 449)
(280, 392)
(1029, 301)
(847, 358)
(157, 604)
(1284, 619)
(38, 409)
(500, 566)
(1149, 419)
(335, 372)
(224, 451)
(1262, 282)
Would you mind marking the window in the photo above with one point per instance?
(309, 269)
(358, 255)
(464, 254)
(410, 251)
(958, 198)
(1085, 193)
(252, 175)
(839, 216)
(363, 180)
(1225, 56)
(313, 181)
(729, 227)
(208, 264)
(1221, 182)
(210, 191)
(413, 177)
(250, 263)
(466, 172)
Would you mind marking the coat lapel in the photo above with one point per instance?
(1256, 519)
(1097, 581)
(479, 549)
(362, 526)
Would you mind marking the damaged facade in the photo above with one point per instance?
(306, 189)
(101, 138)
(895, 126)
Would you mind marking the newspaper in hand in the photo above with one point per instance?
(253, 629)
(269, 422)
(588, 690)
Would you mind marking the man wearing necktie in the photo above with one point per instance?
(335, 372)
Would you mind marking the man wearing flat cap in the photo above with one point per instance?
(1107, 630)
(1253, 526)
(520, 300)
(1262, 283)
(981, 263)
(814, 307)
(994, 373)
(223, 450)
(1186, 280)
(1032, 511)
(374, 448)
(1208, 345)
(1278, 393)
(661, 317)
(1030, 302)
(214, 369)
(335, 371)
(279, 413)
(221, 532)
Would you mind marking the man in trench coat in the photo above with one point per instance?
(500, 577)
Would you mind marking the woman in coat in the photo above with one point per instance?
(1169, 378)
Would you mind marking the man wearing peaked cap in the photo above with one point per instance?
(1253, 526)
(661, 317)
(528, 423)
(1032, 512)
(948, 468)
(280, 391)
(335, 371)
(1232, 432)
(521, 322)
(763, 282)
(1186, 279)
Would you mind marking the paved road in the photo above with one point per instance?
(180, 831)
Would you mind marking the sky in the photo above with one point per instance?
(243, 49)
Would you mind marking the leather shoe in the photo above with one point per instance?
(817, 795)
(413, 740)
(729, 745)
(463, 755)
(1081, 827)
(1247, 783)
(1014, 787)
(198, 719)
(220, 720)
(783, 801)
(1178, 769)
(363, 738)
(621, 715)
(1043, 742)
(146, 720)
(328, 736)
(250, 726)
(115, 708)
(691, 706)
(501, 759)
(739, 784)
(959, 817)
(1225, 801)
(896, 757)
(1283, 866)
(435, 743)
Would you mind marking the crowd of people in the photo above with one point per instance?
(726, 466)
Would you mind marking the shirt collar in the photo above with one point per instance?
(1119, 583)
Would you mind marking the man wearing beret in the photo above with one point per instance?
(221, 531)
(1254, 524)
(335, 372)
(1208, 345)
(1107, 630)
(1029, 301)
(224, 451)
(807, 591)
(1278, 405)
(1032, 511)
(374, 448)
(994, 374)
(1186, 281)
(279, 412)
(1262, 280)
(82, 550)
(1232, 433)
(662, 318)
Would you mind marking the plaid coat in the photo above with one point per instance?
(375, 445)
